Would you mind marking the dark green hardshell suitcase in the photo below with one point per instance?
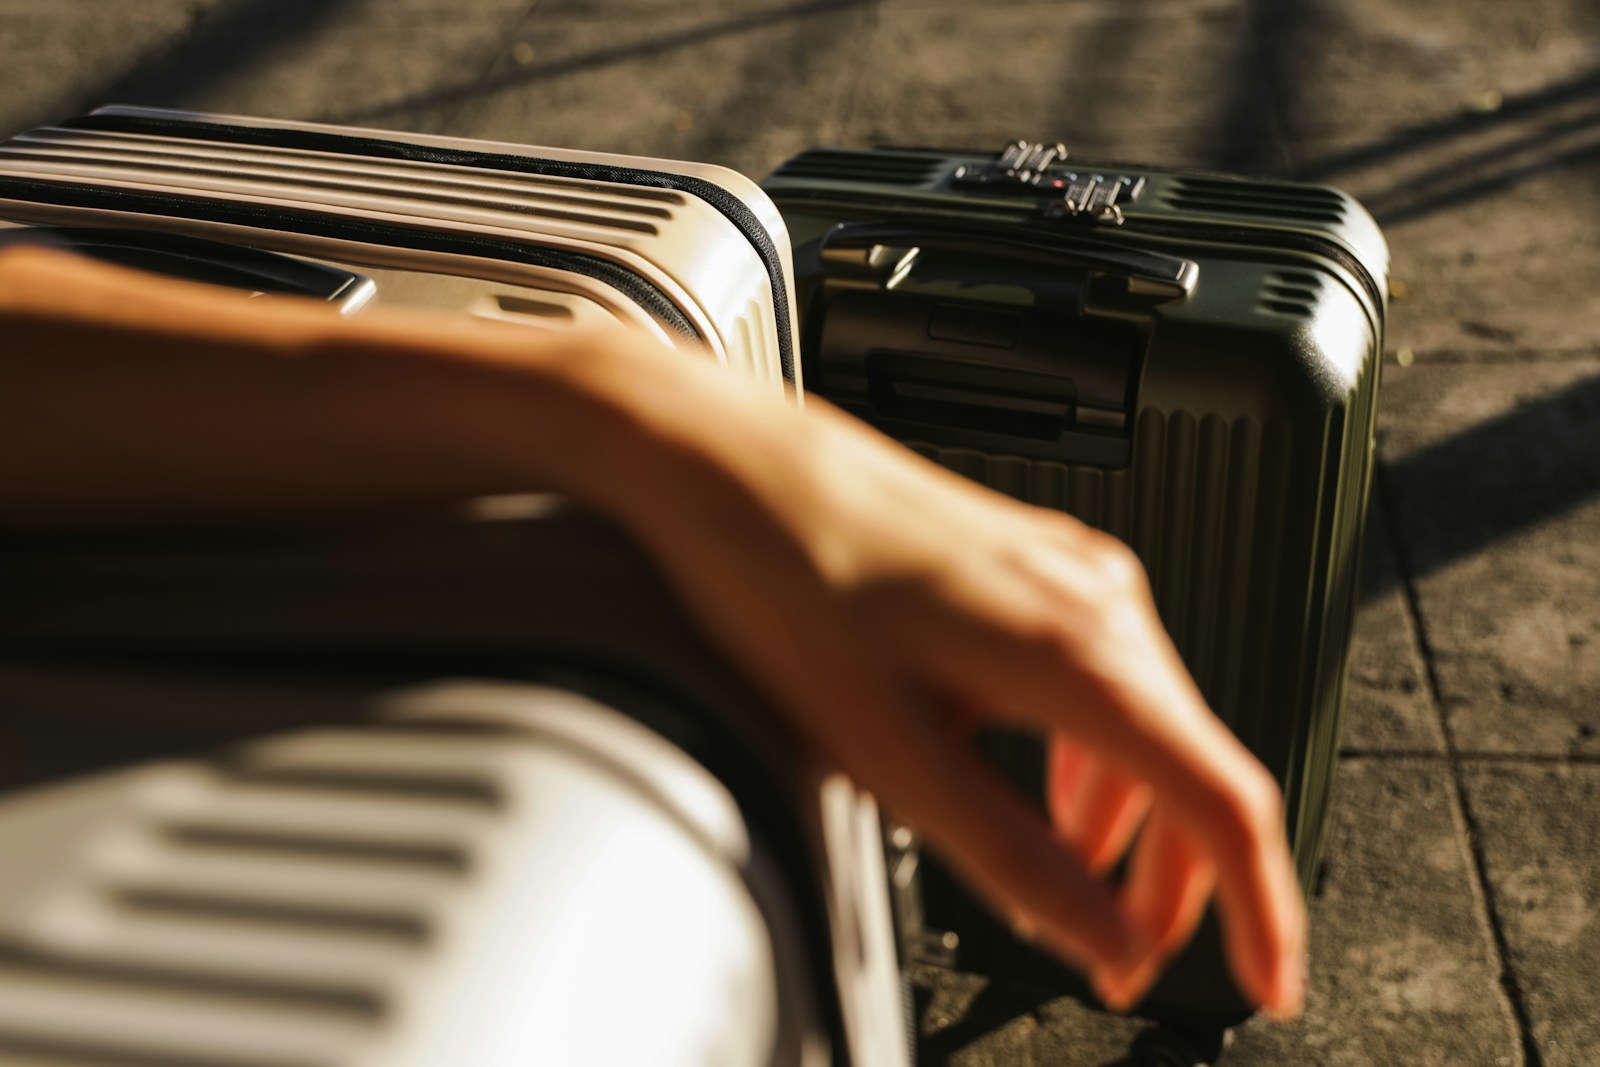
(1187, 361)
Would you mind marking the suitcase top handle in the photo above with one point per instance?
(1153, 276)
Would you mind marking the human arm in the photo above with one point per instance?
(914, 603)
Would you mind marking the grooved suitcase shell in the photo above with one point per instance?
(1245, 492)
(693, 253)
(289, 625)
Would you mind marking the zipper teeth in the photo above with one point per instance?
(728, 205)
(625, 281)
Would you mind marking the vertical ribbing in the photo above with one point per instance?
(1205, 511)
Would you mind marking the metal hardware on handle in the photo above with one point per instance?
(197, 259)
(1151, 274)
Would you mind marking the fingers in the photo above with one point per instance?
(1097, 810)
(1224, 803)
(1149, 723)
(1008, 855)
(1098, 665)
(1169, 881)
(923, 766)
(1263, 921)
(1066, 770)
(1094, 807)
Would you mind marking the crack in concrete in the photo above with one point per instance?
(488, 64)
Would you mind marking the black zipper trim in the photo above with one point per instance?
(728, 205)
(631, 285)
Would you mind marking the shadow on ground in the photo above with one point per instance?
(242, 34)
(1550, 128)
(532, 75)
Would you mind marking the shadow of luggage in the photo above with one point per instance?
(1492, 481)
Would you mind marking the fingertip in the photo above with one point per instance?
(1112, 996)
(1288, 999)
(1277, 988)
(1120, 990)
(1264, 923)
(1286, 987)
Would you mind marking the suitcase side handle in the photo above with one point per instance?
(200, 260)
(1149, 274)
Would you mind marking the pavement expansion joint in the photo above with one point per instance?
(1510, 984)
(1545, 759)
(1429, 754)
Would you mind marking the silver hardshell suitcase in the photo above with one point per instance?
(379, 794)
(465, 791)
(693, 253)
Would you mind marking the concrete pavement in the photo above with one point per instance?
(1455, 921)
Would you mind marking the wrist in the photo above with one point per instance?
(612, 420)
(673, 447)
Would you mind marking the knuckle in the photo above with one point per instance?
(1069, 528)
(1115, 564)
(1103, 595)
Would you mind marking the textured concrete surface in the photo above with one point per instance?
(1403, 962)
(1388, 707)
(1473, 134)
(742, 88)
(1403, 959)
(1114, 80)
(1454, 919)
(1539, 825)
(969, 1022)
(1479, 276)
(61, 54)
(1374, 68)
(1495, 474)
(371, 62)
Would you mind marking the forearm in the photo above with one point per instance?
(884, 605)
(124, 396)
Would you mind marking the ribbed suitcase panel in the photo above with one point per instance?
(1203, 505)
(615, 221)
(313, 178)
(1343, 576)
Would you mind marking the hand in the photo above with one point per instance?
(889, 607)
(886, 605)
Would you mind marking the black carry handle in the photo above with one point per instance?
(1152, 274)
(198, 260)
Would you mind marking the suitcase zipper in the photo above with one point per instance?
(735, 210)
(627, 282)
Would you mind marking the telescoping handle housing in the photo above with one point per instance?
(1019, 339)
